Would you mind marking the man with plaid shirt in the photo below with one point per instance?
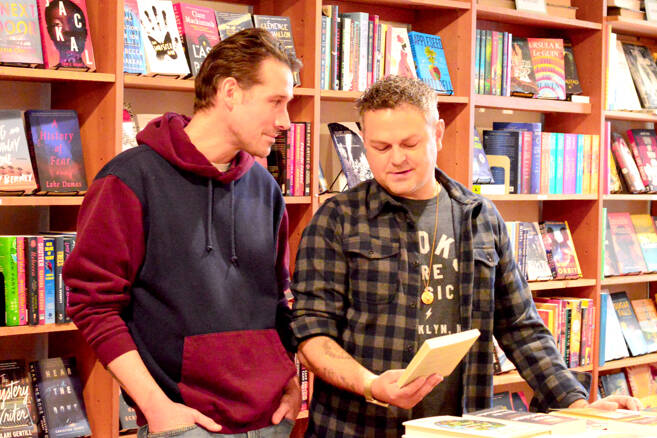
(407, 256)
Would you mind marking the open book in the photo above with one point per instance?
(438, 355)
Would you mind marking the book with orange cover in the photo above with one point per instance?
(642, 380)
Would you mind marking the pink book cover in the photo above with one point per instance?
(605, 157)
(65, 35)
(375, 48)
(291, 144)
(595, 163)
(526, 163)
(586, 175)
(643, 144)
(198, 28)
(560, 336)
(22, 285)
(41, 269)
(570, 164)
(545, 162)
(299, 133)
(547, 58)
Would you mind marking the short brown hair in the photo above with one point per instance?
(393, 91)
(238, 56)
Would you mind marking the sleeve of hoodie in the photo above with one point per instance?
(283, 316)
(108, 252)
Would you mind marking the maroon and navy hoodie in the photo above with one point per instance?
(187, 265)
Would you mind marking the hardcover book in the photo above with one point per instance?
(611, 260)
(547, 58)
(9, 280)
(56, 151)
(644, 73)
(534, 157)
(643, 144)
(523, 79)
(636, 343)
(133, 44)
(16, 174)
(508, 144)
(626, 245)
(18, 413)
(573, 86)
(399, 60)
(430, 62)
(351, 152)
(58, 395)
(229, 23)
(127, 415)
(163, 47)
(644, 310)
(281, 28)
(447, 426)
(20, 39)
(560, 249)
(65, 35)
(536, 264)
(647, 237)
(626, 163)
(198, 27)
(481, 173)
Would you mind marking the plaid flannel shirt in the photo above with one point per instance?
(357, 280)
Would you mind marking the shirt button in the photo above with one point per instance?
(413, 305)
(416, 263)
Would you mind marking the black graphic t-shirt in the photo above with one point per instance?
(440, 275)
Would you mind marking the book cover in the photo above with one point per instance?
(523, 79)
(560, 249)
(626, 163)
(133, 44)
(615, 185)
(350, 149)
(49, 278)
(642, 381)
(537, 267)
(612, 343)
(58, 394)
(401, 57)
(556, 423)
(626, 245)
(643, 144)
(127, 415)
(622, 94)
(9, 280)
(481, 173)
(65, 35)
(20, 38)
(129, 128)
(645, 312)
(198, 27)
(16, 174)
(535, 160)
(644, 73)
(446, 425)
(547, 58)
(502, 363)
(505, 143)
(629, 324)
(430, 62)
(531, 6)
(163, 46)
(60, 294)
(18, 413)
(610, 259)
(614, 384)
(281, 28)
(573, 86)
(647, 237)
(229, 23)
(439, 355)
(56, 150)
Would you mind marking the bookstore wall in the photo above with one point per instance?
(549, 114)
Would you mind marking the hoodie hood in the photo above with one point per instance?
(166, 136)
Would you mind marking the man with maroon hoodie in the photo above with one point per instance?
(181, 262)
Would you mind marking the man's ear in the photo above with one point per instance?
(229, 92)
(440, 132)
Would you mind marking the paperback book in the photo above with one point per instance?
(547, 58)
(133, 43)
(281, 28)
(20, 38)
(644, 73)
(18, 413)
(430, 62)
(16, 173)
(560, 249)
(351, 151)
(636, 343)
(229, 23)
(481, 173)
(523, 79)
(198, 27)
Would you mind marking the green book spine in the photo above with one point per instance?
(9, 270)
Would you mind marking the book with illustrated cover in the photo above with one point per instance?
(647, 316)
(556, 423)
(647, 237)
(399, 58)
(531, 6)
(18, 412)
(613, 384)
(626, 245)
(20, 38)
(481, 173)
(644, 73)
(163, 46)
(448, 426)
(626, 163)
(439, 355)
(58, 395)
(547, 58)
(129, 128)
(198, 27)
(523, 79)
(537, 267)
(502, 363)
(229, 23)
(56, 151)
(636, 343)
(573, 86)
(615, 185)
(643, 143)
(612, 343)
(66, 35)
(515, 401)
(281, 28)
(560, 249)
(642, 380)
(16, 173)
(134, 61)
(621, 92)
(430, 62)
(610, 259)
(350, 149)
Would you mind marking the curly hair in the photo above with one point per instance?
(393, 91)
(239, 56)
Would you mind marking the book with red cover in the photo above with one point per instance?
(626, 245)
(65, 35)
(560, 249)
(626, 163)
(198, 27)
(643, 143)
(547, 59)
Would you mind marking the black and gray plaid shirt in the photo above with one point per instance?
(357, 280)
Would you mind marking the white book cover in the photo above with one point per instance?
(651, 9)
(625, 95)
(163, 47)
(615, 347)
(401, 56)
(531, 6)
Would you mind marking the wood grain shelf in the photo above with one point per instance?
(629, 361)
(43, 75)
(630, 197)
(36, 329)
(298, 199)
(513, 16)
(512, 377)
(542, 197)
(421, 4)
(629, 26)
(350, 96)
(528, 104)
(629, 279)
(560, 284)
(633, 116)
(10, 201)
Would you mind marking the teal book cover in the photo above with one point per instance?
(430, 61)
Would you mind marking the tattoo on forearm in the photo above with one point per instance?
(332, 377)
(334, 353)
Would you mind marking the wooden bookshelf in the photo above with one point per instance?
(629, 279)
(625, 197)
(628, 362)
(541, 197)
(633, 116)
(36, 329)
(40, 200)
(629, 26)
(40, 75)
(512, 16)
(526, 104)
(561, 284)
(350, 96)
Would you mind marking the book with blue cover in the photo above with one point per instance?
(430, 62)
(535, 129)
(481, 173)
(351, 151)
(134, 60)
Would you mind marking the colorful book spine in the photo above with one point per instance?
(586, 173)
(49, 262)
(570, 164)
(21, 281)
(595, 163)
(579, 168)
(8, 260)
(558, 169)
(544, 186)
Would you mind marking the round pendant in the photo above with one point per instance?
(427, 297)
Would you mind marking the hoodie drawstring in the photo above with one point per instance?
(233, 246)
(208, 234)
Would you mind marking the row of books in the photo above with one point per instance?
(639, 381)
(41, 152)
(631, 76)
(289, 160)
(507, 65)
(163, 38)
(634, 9)
(44, 401)
(31, 267)
(357, 50)
(630, 244)
(637, 163)
(538, 162)
(49, 34)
